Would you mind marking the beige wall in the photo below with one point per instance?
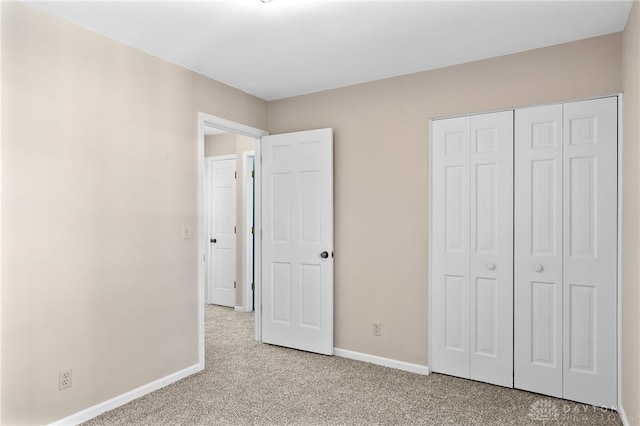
(381, 174)
(228, 144)
(224, 144)
(99, 173)
(631, 218)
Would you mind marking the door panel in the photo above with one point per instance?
(281, 292)
(455, 187)
(544, 324)
(472, 246)
(486, 305)
(455, 318)
(538, 245)
(222, 236)
(297, 218)
(491, 242)
(544, 194)
(566, 251)
(450, 246)
(590, 252)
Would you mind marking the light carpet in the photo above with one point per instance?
(248, 383)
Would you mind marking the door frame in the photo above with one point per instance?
(208, 211)
(248, 240)
(208, 120)
(620, 409)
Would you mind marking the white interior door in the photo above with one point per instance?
(297, 240)
(450, 246)
(590, 251)
(538, 250)
(491, 248)
(222, 231)
(566, 251)
(472, 247)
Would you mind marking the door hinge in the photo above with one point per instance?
(235, 175)
(253, 174)
(204, 257)
(234, 229)
(253, 286)
(234, 284)
(253, 230)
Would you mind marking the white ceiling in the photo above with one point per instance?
(291, 47)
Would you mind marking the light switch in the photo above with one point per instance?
(186, 232)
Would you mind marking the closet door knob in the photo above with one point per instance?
(538, 268)
(491, 266)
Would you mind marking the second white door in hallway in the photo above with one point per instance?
(222, 231)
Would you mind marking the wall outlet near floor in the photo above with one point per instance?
(64, 379)
(376, 328)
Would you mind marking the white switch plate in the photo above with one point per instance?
(186, 232)
(376, 328)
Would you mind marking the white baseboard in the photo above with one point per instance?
(385, 362)
(119, 400)
(623, 415)
(240, 309)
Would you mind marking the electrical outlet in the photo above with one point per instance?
(64, 379)
(376, 329)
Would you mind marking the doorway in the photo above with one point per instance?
(229, 219)
(217, 125)
(297, 227)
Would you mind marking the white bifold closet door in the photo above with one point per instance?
(566, 251)
(472, 247)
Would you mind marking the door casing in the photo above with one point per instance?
(248, 240)
(207, 120)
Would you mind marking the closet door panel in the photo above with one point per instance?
(590, 251)
(538, 250)
(491, 248)
(450, 246)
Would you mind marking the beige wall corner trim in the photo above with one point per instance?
(620, 246)
(384, 362)
(96, 410)
(0, 220)
(429, 160)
